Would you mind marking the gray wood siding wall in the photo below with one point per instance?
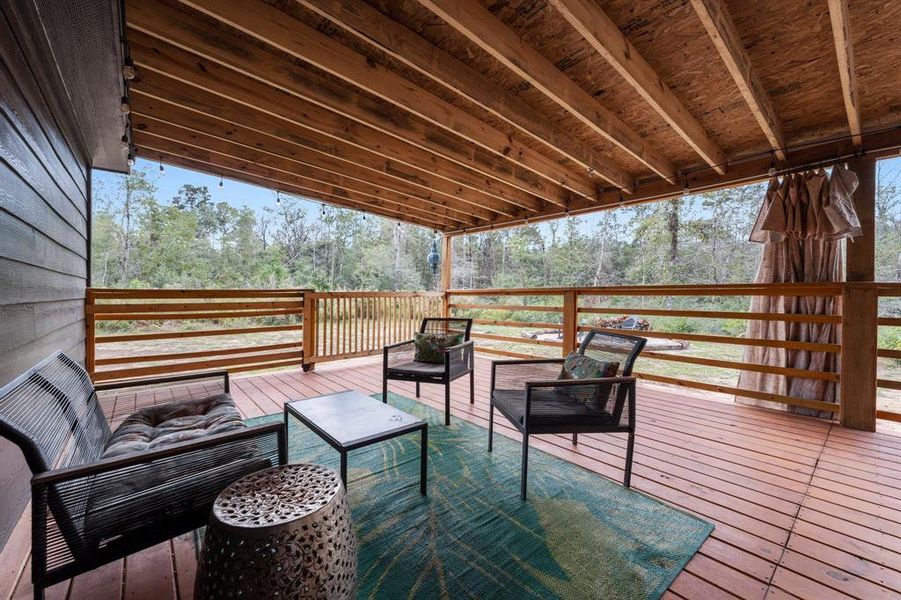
(44, 204)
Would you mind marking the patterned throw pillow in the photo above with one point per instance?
(577, 366)
(430, 346)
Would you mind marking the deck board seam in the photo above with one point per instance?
(791, 531)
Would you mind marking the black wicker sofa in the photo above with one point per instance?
(100, 494)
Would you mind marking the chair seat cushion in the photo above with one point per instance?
(165, 424)
(549, 409)
(415, 367)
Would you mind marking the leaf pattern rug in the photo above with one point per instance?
(578, 535)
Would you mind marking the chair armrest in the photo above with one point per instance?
(458, 360)
(515, 373)
(148, 381)
(390, 347)
(115, 463)
(620, 389)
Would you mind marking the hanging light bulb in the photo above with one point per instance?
(124, 107)
(278, 197)
(686, 190)
(123, 141)
(128, 70)
(221, 184)
(162, 168)
(131, 160)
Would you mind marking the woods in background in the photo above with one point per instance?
(190, 241)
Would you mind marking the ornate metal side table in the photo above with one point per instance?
(283, 532)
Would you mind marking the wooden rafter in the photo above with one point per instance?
(226, 166)
(259, 20)
(715, 17)
(844, 52)
(475, 22)
(248, 62)
(605, 37)
(178, 124)
(197, 83)
(305, 147)
(418, 53)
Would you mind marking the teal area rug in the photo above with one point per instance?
(578, 535)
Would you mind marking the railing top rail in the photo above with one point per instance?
(367, 294)
(166, 294)
(735, 289)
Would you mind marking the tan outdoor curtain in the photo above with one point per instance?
(801, 223)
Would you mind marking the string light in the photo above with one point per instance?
(128, 70)
(221, 184)
(123, 141)
(686, 190)
(131, 160)
(162, 168)
(771, 172)
(124, 108)
(278, 196)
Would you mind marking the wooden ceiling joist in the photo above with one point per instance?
(481, 27)
(320, 152)
(334, 200)
(196, 82)
(715, 17)
(521, 187)
(418, 53)
(605, 37)
(844, 53)
(224, 165)
(269, 25)
(181, 125)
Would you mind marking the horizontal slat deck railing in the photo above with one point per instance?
(342, 325)
(566, 310)
(209, 307)
(889, 291)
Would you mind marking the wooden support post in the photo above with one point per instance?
(860, 309)
(90, 322)
(310, 330)
(858, 358)
(447, 257)
(570, 321)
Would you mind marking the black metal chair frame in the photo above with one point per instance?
(454, 358)
(69, 493)
(624, 390)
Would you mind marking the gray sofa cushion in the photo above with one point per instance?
(165, 424)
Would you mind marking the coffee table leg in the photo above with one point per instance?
(344, 468)
(423, 460)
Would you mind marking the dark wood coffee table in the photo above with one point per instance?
(350, 420)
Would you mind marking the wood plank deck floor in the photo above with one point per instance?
(802, 508)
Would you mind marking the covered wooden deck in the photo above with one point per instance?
(803, 508)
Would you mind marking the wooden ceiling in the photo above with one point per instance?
(464, 115)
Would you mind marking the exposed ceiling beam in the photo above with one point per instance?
(605, 37)
(240, 169)
(418, 53)
(319, 151)
(481, 27)
(879, 144)
(197, 83)
(248, 62)
(844, 52)
(179, 124)
(274, 27)
(718, 22)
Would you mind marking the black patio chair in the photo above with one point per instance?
(93, 500)
(400, 364)
(535, 401)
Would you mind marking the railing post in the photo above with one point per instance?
(570, 321)
(860, 302)
(90, 338)
(860, 308)
(310, 330)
